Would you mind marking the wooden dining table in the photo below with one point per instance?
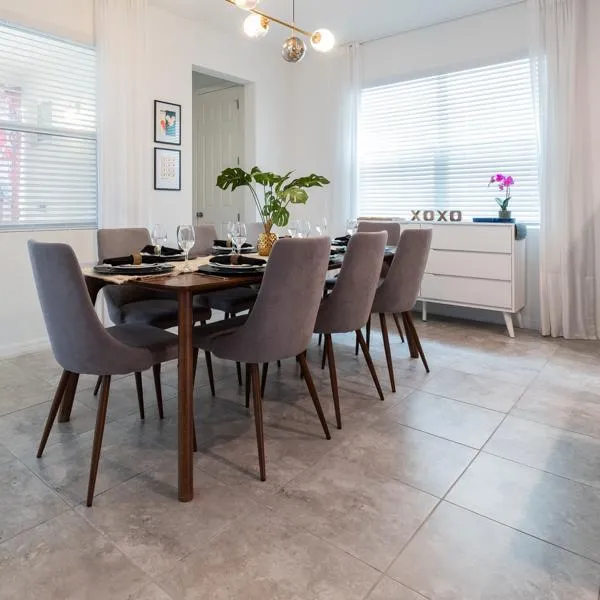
(185, 286)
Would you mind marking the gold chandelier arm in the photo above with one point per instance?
(275, 20)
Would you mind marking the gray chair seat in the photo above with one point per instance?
(232, 301)
(205, 335)
(157, 313)
(161, 344)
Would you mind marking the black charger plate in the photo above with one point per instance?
(153, 269)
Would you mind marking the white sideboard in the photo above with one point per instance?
(475, 265)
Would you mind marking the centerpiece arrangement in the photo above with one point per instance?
(278, 192)
(504, 183)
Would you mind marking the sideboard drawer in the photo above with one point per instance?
(470, 264)
(466, 290)
(473, 238)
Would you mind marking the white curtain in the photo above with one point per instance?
(570, 223)
(345, 179)
(124, 126)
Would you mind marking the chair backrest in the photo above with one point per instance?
(253, 230)
(205, 238)
(283, 318)
(392, 228)
(78, 339)
(400, 288)
(348, 306)
(121, 242)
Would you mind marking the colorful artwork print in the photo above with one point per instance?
(167, 123)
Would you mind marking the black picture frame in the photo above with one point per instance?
(161, 131)
(165, 181)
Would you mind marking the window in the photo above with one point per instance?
(48, 175)
(433, 143)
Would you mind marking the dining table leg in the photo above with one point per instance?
(186, 397)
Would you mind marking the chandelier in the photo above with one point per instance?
(257, 25)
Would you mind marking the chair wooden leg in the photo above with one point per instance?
(263, 383)
(368, 332)
(324, 357)
(258, 420)
(417, 341)
(194, 365)
(313, 393)
(320, 340)
(64, 416)
(58, 396)
(211, 375)
(98, 434)
(248, 385)
(412, 347)
(367, 353)
(333, 378)
(98, 384)
(356, 347)
(140, 394)
(397, 321)
(194, 440)
(279, 364)
(388, 351)
(158, 388)
(238, 367)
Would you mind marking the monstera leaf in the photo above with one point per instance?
(233, 177)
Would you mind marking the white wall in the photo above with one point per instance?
(473, 41)
(177, 46)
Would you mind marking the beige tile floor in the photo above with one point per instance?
(480, 481)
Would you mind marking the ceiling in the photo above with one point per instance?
(350, 20)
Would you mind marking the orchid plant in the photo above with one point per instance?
(504, 183)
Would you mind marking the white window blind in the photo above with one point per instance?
(48, 175)
(433, 143)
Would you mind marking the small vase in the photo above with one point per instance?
(265, 243)
(504, 214)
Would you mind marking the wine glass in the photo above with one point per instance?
(186, 238)
(158, 235)
(305, 229)
(351, 226)
(231, 225)
(293, 228)
(321, 228)
(239, 235)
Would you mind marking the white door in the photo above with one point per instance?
(218, 144)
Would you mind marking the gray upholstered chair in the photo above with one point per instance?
(348, 306)
(399, 291)
(205, 236)
(127, 304)
(79, 341)
(392, 228)
(280, 324)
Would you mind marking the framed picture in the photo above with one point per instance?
(167, 169)
(167, 123)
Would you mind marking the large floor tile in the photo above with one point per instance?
(474, 389)
(557, 451)
(24, 500)
(456, 421)
(388, 589)
(66, 559)
(561, 406)
(458, 555)
(150, 592)
(264, 557)
(145, 520)
(419, 459)
(552, 508)
(360, 511)
(16, 394)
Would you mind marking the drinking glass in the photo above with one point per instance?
(186, 238)
(239, 236)
(293, 228)
(351, 226)
(158, 235)
(230, 233)
(305, 229)
(321, 228)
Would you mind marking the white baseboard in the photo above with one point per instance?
(11, 350)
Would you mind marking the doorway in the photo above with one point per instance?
(218, 120)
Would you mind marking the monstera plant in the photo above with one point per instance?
(278, 191)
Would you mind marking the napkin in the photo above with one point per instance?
(237, 259)
(227, 244)
(164, 251)
(344, 239)
(131, 260)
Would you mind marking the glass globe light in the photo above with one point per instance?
(256, 26)
(293, 50)
(322, 40)
(246, 4)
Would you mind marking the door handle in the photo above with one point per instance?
(199, 215)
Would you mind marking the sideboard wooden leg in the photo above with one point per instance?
(423, 310)
(519, 317)
(509, 324)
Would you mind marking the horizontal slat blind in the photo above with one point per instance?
(433, 143)
(48, 175)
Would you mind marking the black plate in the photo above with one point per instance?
(210, 270)
(218, 251)
(166, 258)
(154, 269)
